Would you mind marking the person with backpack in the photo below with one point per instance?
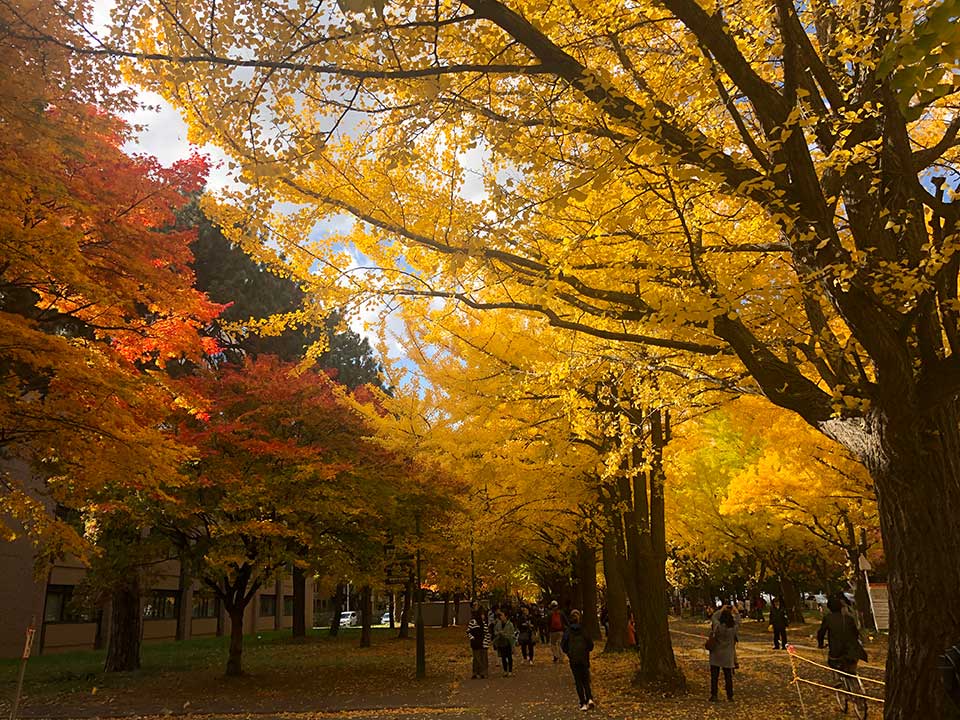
(779, 622)
(479, 633)
(504, 638)
(578, 645)
(526, 629)
(556, 624)
(722, 645)
(842, 635)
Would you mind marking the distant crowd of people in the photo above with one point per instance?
(504, 627)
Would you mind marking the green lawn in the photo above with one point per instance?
(273, 661)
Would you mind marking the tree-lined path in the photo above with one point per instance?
(323, 679)
(662, 310)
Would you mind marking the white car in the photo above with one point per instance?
(385, 620)
(349, 618)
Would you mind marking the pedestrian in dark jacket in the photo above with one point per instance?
(479, 633)
(840, 631)
(504, 639)
(527, 630)
(779, 621)
(723, 654)
(578, 645)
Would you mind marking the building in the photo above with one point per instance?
(172, 608)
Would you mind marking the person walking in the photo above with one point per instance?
(504, 639)
(556, 624)
(578, 645)
(479, 633)
(779, 621)
(543, 616)
(840, 631)
(723, 652)
(526, 629)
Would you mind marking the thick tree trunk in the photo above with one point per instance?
(654, 646)
(792, 602)
(445, 620)
(916, 467)
(457, 599)
(338, 600)
(235, 655)
(587, 575)
(366, 615)
(404, 631)
(616, 595)
(299, 602)
(126, 618)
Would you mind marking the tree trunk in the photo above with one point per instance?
(916, 467)
(278, 604)
(616, 595)
(235, 656)
(404, 631)
(299, 602)
(393, 609)
(792, 602)
(366, 615)
(126, 618)
(184, 605)
(445, 621)
(587, 574)
(654, 646)
(457, 599)
(338, 599)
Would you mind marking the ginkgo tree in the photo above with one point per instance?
(742, 189)
(804, 480)
(558, 436)
(740, 492)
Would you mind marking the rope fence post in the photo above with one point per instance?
(791, 653)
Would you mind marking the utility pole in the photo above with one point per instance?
(421, 643)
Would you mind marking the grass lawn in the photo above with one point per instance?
(190, 674)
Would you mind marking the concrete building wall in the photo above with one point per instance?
(21, 596)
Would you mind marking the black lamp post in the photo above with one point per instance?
(421, 644)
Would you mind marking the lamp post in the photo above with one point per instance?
(421, 643)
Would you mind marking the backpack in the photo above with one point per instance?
(949, 667)
(578, 647)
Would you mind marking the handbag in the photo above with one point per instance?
(861, 651)
(711, 643)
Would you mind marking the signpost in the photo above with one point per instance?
(27, 647)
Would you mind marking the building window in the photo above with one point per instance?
(288, 605)
(206, 605)
(268, 605)
(161, 605)
(59, 606)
